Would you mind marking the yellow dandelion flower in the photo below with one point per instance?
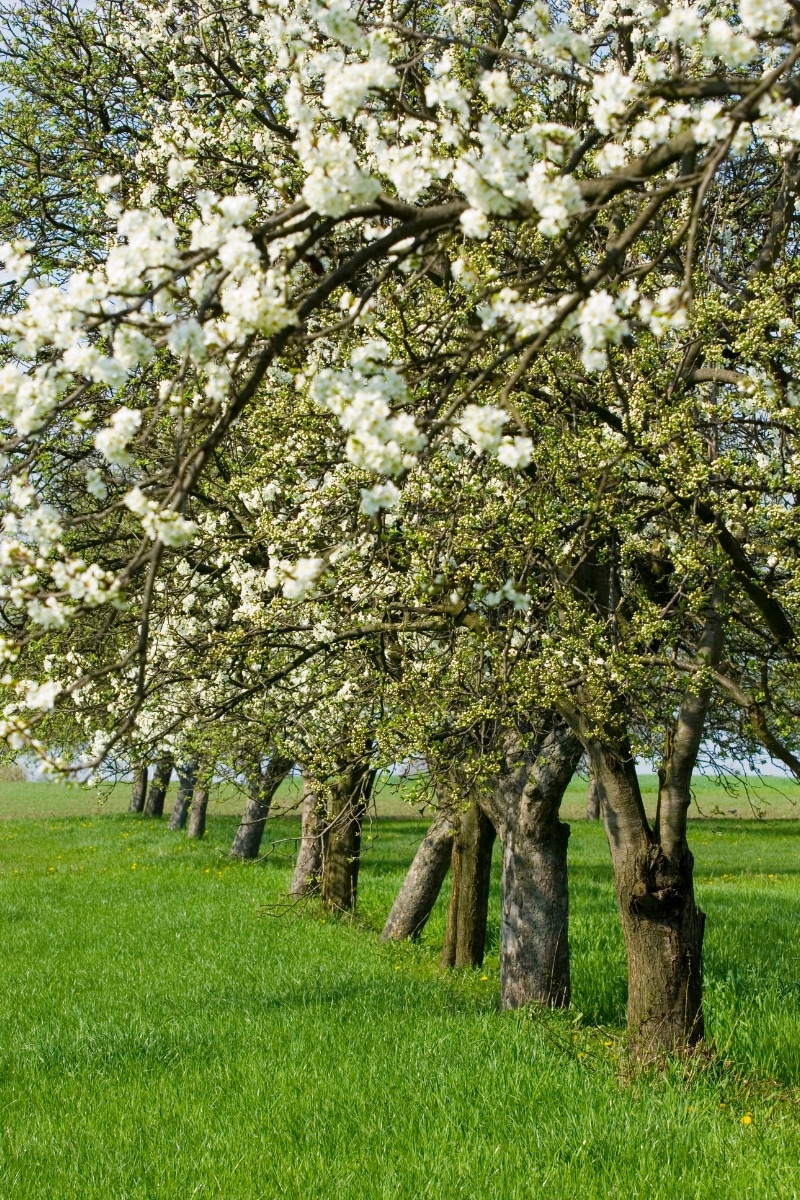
(747, 1119)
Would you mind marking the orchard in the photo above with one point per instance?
(410, 392)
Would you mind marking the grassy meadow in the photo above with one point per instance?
(767, 798)
(169, 1028)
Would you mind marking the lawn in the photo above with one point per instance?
(170, 1029)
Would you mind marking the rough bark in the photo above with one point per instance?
(534, 924)
(197, 811)
(662, 925)
(592, 800)
(307, 876)
(465, 937)
(180, 809)
(262, 787)
(653, 875)
(157, 791)
(423, 882)
(139, 792)
(341, 852)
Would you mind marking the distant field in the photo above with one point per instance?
(769, 798)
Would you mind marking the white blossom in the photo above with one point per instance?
(383, 495)
(497, 89)
(683, 23)
(556, 199)
(170, 527)
(362, 397)
(600, 325)
(336, 18)
(475, 224)
(335, 181)
(95, 484)
(445, 92)
(732, 46)
(346, 86)
(107, 183)
(300, 578)
(239, 253)
(178, 170)
(42, 696)
(20, 491)
(612, 92)
(483, 424)
(15, 258)
(767, 16)
(50, 615)
(515, 452)
(464, 274)
(711, 125)
(132, 347)
(665, 312)
(112, 442)
(610, 158)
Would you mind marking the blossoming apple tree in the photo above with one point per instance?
(381, 322)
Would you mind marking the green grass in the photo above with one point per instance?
(168, 1030)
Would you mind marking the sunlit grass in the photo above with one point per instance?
(167, 1029)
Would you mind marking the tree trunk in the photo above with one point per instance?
(197, 812)
(592, 799)
(662, 925)
(534, 956)
(139, 792)
(341, 852)
(653, 872)
(262, 787)
(423, 882)
(158, 788)
(307, 876)
(465, 937)
(534, 924)
(180, 809)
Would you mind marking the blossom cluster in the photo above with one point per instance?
(485, 216)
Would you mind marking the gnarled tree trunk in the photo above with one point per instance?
(262, 786)
(307, 876)
(139, 792)
(465, 937)
(180, 809)
(653, 874)
(662, 925)
(197, 811)
(423, 881)
(534, 925)
(158, 788)
(341, 852)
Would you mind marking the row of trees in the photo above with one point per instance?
(392, 381)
